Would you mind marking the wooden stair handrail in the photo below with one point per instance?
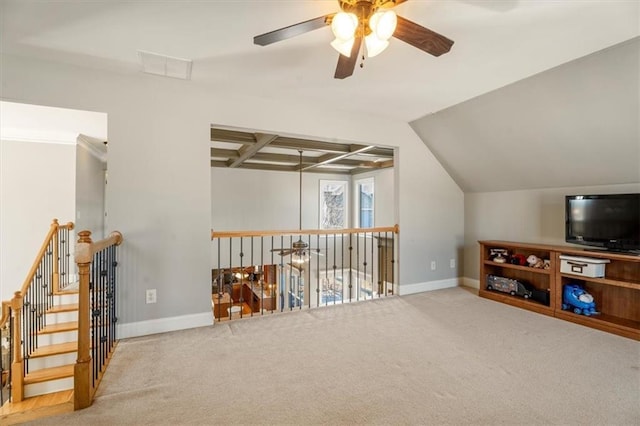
(86, 248)
(4, 317)
(234, 234)
(53, 230)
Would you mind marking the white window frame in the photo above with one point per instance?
(358, 185)
(322, 215)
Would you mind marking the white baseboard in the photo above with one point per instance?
(163, 325)
(470, 282)
(428, 286)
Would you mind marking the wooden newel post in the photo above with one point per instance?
(82, 370)
(56, 255)
(17, 368)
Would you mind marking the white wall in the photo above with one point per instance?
(36, 186)
(159, 192)
(90, 188)
(530, 216)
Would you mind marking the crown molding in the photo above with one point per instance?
(87, 143)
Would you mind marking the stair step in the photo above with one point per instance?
(71, 307)
(66, 291)
(60, 348)
(59, 328)
(37, 407)
(46, 374)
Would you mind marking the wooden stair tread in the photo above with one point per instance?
(61, 348)
(60, 327)
(37, 406)
(47, 374)
(71, 307)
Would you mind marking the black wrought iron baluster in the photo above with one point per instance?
(393, 263)
(281, 276)
(290, 293)
(350, 275)
(341, 267)
(220, 281)
(104, 276)
(271, 289)
(8, 360)
(241, 276)
(251, 278)
(231, 301)
(380, 266)
(364, 263)
(317, 270)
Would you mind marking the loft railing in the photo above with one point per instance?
(28, 308)
(97, 263)
(258, 272)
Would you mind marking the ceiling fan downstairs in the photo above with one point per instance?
(299, 249)
(363, 22)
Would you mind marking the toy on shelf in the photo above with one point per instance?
(535, 262)
(575, 297)
(518, 259)
(499, 255)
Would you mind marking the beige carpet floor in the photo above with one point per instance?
(445, 357)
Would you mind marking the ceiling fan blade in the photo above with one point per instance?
(421, 37)
(346, 65)
(283, 251)
(293, 30)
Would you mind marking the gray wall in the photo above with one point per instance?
(159, 191)
(530, 216)
(268, 200)
(90, 188)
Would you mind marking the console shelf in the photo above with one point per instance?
(617, 294)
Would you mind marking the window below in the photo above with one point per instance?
(365, 203)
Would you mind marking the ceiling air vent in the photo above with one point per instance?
(167, 66)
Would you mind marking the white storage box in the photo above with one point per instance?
(585, 266)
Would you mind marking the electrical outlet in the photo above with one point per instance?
(151, 295)
(433, 265)
(452, 263)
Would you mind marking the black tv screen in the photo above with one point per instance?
(611, 221)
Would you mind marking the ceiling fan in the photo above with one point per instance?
(368, 22)
(299, 249)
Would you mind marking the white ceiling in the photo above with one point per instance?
(496, 43)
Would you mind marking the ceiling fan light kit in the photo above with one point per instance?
(370, 20)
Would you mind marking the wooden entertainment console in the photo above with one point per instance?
(617, 295)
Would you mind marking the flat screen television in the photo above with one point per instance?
(609, 221)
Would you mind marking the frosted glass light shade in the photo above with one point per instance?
(299, 258)
(344, 25)
(343, 46)
(383, 24)
(375, 46)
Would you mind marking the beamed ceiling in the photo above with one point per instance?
(265, 151)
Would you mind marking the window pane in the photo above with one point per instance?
(365, 203)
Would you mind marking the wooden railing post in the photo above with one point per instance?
(17, 369)
(82, 369)
(56, 261)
